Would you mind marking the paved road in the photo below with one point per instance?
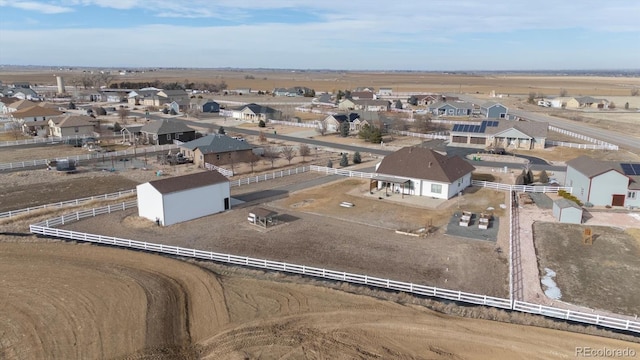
(625, 141)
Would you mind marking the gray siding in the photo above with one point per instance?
(579, 183)
(604, 186)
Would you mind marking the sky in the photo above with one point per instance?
(432, 35)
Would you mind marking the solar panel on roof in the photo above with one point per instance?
(466, 128)
(636, 168)
(455, 127)
(627, 169)
(495, 123)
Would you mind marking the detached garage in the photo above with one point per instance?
(182, 198)
(567, 211)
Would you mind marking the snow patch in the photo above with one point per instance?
(551, 288)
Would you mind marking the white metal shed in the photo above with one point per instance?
(182, 198)
(567, 211)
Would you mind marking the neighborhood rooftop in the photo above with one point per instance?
(423, 163)
(186, 182)
(216, 143)
(165, 126)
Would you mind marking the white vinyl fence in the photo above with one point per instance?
(44, 228)
(583, 146)
(269, 176)
(605, 144)
(51, 140)
(343, 172)
(119, 194)
(211, 167)
(297, 124)
(521, 188)
(93, 156)
(439, 135)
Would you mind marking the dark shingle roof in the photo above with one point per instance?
(216, 143)
(186, 182)
(258, 109)
(165, 126)
(423, 163)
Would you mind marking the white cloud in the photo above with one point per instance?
(36, 6)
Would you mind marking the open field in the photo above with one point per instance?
(84, 301)
(333, 80)
(605, 275)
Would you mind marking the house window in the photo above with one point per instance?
(631, 195)
(76, 129)
(168, 136)
(436, 188)
(217, 156)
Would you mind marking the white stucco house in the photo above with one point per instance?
(423, 172)
(182, 198)
(603, 183)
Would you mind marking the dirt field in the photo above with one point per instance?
(337, 241)
(83, 301)
(604, 275)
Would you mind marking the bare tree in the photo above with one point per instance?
(564, 92)
(87, 80)
(423, 123)
(262, 137)
(635, 92)
(322, 127)
(271, 154)
(304, 151)
(103, 79)
(123, 114)
(253, 160)
(288, 152)
(15, 129)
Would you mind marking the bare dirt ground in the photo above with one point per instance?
(16, 154)
(604, 275)
(82, 301)
(323, 234)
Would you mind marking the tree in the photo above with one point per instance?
(339, 95)
(116, 126)
(271, 154)
(322, 127)
(413, 100)
(376, 136)
(365, 132)
(398, 104)
(15, 128)
(344, 160)
(329, 163)
(520, 180)
(99, 111)
(165, 111)
(262, 124)
(532, 97)
(72, 105)
(400, 124)
(423, 123)
(173, 112)
(262, 137)
(356, 157)
(543, 177)
(564, 92)
(253, 160)
(612, 105)
(123, 114)
(288, 152)
(304, 151)
(344, 129)
(626, 105)
(221, 130)
(530, 178)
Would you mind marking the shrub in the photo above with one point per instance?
(117, 127)
(544, 178)
(344, 161)
(262, 124)
(330, 164)
(221, 130)
(356, 158)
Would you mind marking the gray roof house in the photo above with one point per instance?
(161, 132)
(255, 112)
(217, 149)
(424, 172)
(204, 105)
(454, 108)
(493, 110)
(603, 183)
(525, 135)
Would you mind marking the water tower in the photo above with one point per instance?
(60, 82)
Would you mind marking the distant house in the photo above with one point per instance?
(591, 102)
(604, 183)
(217, 149)
(493, 110)
(5, 102)
(204, 105)
(241, 91)
(385, 91)
(71, 125)
(325, 100)
(34, 113)
(429, 99)
(168, 96)
(161, 132)
(451, 109)
(145, 96)
(372, 105)
(182, 198)
(363, 95)
(293, 91)
(506, 134)
(346, 104)
(423, 172)
(20, 105)
(25, 94)
(567, 211)
(255, 112)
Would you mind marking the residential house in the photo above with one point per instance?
(363, 95)
(25, 94)
(364, 88)
(525, 135)
(182, 198)
(20, 105)
(334, 121)
(385, 91)
(493, 110)
(325, 100)
(570, 103)
(429, 99)
(423, 172)
(456, 108)
(146, 96)
(346, 104)
(168, 96)
(5, 102)
(204, 105)
(591, 102)
(34, 113)
(71, 125)
(293, 91)
(241, 91)
(131, 133)
(165, 131)
(372, 105)
(602, 183)
(217, 149)
(255, 112)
